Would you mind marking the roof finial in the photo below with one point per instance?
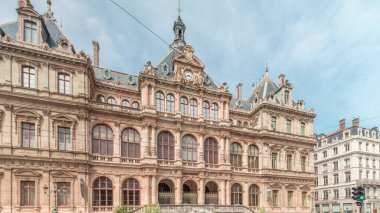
(49, 13)
(266, 69)
(49, 6)
(179, 7)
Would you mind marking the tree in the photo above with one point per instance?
(123, 209)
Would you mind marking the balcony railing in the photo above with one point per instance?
(166, 162)
(114, 107)
(130, 160)
(165, 197)
(190, 198)
(101, 158)
(368, 182)
(189, 164)
(211, 198)
(104, 209)
(211, 166)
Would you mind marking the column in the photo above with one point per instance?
(154, 191)
(145, 198)
(245, 155)
(145, 143)
(6, 194)
(177, 103)
(144, 95)
(200, 102)
(178, 191)
(201, 150)
(153, 144)
(228, 192)
(227, 150)
(116, 141)
(152, 95)
(116, 193)
(178, 143)
(245, 194)
(201, 192)
(220, 111)
(227, 110)
(222, 193)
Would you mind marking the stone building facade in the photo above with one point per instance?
(343, 159)
(169, 135)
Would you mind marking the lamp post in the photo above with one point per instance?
(54, 191)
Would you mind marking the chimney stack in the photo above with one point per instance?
(95, 44)
(342, 124)
(239, 88)
(281, 79)
(356, 122)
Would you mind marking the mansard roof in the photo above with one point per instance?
(115, 78)
(266, 87)
(240, 104)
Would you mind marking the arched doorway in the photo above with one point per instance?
(189, 190)
(166, 192)
(211, 193)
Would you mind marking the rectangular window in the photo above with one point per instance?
(273, 123)
(360, 161)
(325, 154)
(315, 156)
(27, 193)
(336, 178)
(28, 135)
(30, 32)
(325, 180)
(347, 147)
(374, 176)
(348, 177)
(288, 126)
(374, 163)
(336, 193)
(325, 195)
(360, 174)
(64, 139)
(346, 163)
(274, 160)
(316, 170)
(64, 83)
(290, 198)
(335, 150)
(335, 163)
(367, 162)
(303, 164)
(348, 192)
(286, 97)
(275, 197)
(324, 168)
(64, 194)
(304, 199)
(28, 78)
(367, 174)
(289, 162)
(360, 145)
(302, 128)
(316, 195)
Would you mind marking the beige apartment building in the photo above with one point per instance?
(343, 159)
(169, 134)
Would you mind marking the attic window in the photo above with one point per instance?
(30, 32)
(65, 45)
(286, 97)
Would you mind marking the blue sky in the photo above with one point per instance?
(328, 49)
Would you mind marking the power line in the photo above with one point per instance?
(140, 22)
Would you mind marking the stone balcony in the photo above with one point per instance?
(369, 182)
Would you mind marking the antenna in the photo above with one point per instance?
(179, 7)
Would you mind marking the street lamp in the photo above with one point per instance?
(54, 191)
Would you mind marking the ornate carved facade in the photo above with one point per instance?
(170, 135)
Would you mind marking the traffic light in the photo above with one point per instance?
(358, 194)
(355, 193)
(361, 193)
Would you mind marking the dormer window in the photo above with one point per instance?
(30, 32)
(286, 97)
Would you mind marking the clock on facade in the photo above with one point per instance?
(188, 74)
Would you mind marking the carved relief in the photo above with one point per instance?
(63, 121)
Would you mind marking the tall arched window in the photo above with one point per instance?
(253, 157)
(130, 143)
(236, 155)
(102, 140)
(131, 192)
(102, 192)
(206, 110)
(165, 146)
(28, 78)
(211, 151)
(184, 106)
(135, 105)
(214, 111)
(126, 103)
(193, 107)
(100, 98)
(253, 194)
(236, 194)
(170, 103)
(189, 148)
(111, 100)
(160, 102)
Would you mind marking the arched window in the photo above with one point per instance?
(64, 83)
(206, 110)
(189, 148)
(111, 100)
(131, 192)
(214, 111)
(193, 107)
(126, 103)
(184, 106)
(238, 123)
(253, 157)
(135, 105)
(165, 146)
(170, 103)
(160, 102)
(211, 151)
(28, 78)
(253, 194)
(102, 192)
(130, 143)
(236, 194)
(235, 155)
(102, 140)
(100, 98)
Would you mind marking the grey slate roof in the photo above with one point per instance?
(168, 61)
(241, 105)
(116, 77)
(265, 88)
(51, 32)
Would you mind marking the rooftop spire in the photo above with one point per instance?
(179, 29)
(266, 69)
(49, 13)
(179, 8)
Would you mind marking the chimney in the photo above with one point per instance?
(356, 122)
(342, 124)
(281, 79)
(95, 44)
(239, 88)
